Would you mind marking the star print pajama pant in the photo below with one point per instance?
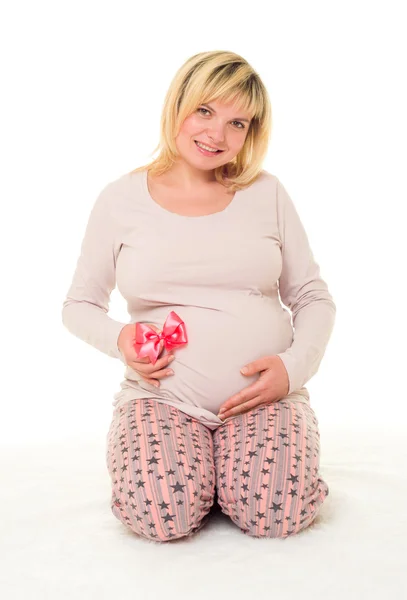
(167, 469)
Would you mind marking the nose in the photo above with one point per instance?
(216, 140)
(217, 135)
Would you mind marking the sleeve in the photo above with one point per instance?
(84, 311)
(305, 293)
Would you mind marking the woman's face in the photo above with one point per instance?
(218, 125)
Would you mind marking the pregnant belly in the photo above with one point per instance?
(220, 343)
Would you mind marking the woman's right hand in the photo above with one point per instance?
(143, 366)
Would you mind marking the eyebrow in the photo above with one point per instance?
(237, 118)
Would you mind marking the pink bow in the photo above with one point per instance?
(147, 341)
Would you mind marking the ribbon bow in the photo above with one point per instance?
(147, 341)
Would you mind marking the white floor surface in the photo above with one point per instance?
(60, 540)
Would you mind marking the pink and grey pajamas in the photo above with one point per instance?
(167, 469)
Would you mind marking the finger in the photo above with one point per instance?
(147, 368)
(158, 375)
(162, 373)
(152, 382)
(242, 408)
(144, 359)
(244, 395)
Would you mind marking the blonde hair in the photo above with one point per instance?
(224, 76)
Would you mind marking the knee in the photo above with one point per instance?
(280, 519)
(161, 523)
(275, 529)
(262, 526)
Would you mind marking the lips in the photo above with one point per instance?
(218, 149)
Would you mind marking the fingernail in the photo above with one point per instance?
(171, 358)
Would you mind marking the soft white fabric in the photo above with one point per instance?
(58, 538)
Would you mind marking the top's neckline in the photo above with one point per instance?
(158, 208)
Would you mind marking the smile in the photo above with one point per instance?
(206, 148)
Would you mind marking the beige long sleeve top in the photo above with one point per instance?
(230, 276)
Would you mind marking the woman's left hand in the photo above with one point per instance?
(271, 386)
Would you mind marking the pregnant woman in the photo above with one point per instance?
(206, 247)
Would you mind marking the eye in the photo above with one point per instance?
(208, 111)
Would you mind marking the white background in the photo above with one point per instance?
(83, 88)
